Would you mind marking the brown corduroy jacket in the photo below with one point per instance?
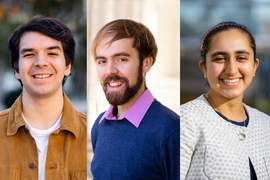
(66, 155)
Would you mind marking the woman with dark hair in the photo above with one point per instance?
(220, 136)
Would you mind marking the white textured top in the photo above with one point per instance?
(210, 147)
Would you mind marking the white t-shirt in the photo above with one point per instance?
(41, 137)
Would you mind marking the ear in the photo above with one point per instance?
(17, 75)
(147, 64)
(256, 64)
(68, 69)
(203, 68)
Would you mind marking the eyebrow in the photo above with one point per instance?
(54, 47)
(242, 52)
(224, 53)
(114, 55)
(24, 50)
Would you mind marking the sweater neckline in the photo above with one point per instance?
(213, 118)
(243, 123)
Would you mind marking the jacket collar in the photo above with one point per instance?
(15, 119)
(69, 118)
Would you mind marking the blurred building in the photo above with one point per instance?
(197, 17)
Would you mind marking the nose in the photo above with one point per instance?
(111, 68)
(40, 60)
(231, 67)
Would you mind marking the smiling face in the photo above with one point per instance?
(230, 65)
(119, 70)
(42, 65)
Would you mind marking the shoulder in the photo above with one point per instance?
(72, 119)
(161, 121)
(96, 123)
(163, 113)
(255, 113)
(194, 114)
(71, 114)
(194, 104)
(81, 115)
(95, 130)
(83, 119)
(161, 110)
(4, 113)
(194, 109)
(13, 109)
(99, 117)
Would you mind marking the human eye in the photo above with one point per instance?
(219, 58)
(101, 61)
(122, 59)
(52, 54)
(27, 55)
(241, 58)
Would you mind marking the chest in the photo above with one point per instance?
(20, 160)
(220, 151)
(127, 153)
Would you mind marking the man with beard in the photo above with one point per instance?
(137, 137)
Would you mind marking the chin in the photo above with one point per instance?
(232, 95)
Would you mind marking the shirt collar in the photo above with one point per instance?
(43, 131)
(69, 118)
(136, 112)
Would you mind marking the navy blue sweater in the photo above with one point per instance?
(149, 152)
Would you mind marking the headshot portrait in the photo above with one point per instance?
(151, 43)
(44, 136)
(224, 104)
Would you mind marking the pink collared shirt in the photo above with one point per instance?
(136, 112)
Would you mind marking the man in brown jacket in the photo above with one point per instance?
(43, 136)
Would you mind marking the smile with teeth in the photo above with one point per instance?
(42, 76)
(231, 80)
(114, 84)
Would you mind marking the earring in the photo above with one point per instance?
(205, 77)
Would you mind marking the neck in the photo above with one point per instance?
(42, 113)
(232, 109)
(124, 107)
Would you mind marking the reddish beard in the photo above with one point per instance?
(122, 96)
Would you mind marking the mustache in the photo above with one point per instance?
(114, 78)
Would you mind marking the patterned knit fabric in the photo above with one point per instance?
(211, 149)
(149, 152)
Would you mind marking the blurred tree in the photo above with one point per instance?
(72, 12)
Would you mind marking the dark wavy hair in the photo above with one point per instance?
(47, 26)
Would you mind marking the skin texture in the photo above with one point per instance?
(41, 55)
(42, 98)
(120, 59)
(229, 69)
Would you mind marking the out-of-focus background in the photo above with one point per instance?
(197, 17)
(163, 19)
(73, 13)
